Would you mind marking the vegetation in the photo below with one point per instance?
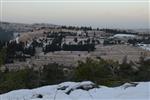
(57, 44)
(2, 55)
(104, 72)
(29, 78)
(16, 80)
(81, 47)
(100, 71)
(5, 35)
(77, 28)
(110, 73)
(115, 31)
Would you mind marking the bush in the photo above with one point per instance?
(144, 71)
(2, 56)
(110, 73)
(96, 71)
(103, 72)
(17, 80)
(28, 78)
(52, 74)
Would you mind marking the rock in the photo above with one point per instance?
(68, 88)
(131, 84)
(37, 96)
(62, 88)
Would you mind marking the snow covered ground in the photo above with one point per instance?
(125, 36)
(145, 46)
(136, 91)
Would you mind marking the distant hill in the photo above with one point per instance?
(21, 27)
(8, 29)
(15, 27)
(5, 35)
(142, 31)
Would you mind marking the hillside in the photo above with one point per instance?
(7, 29)
(5, 35)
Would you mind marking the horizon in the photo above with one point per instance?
(116, 15)
(76, 26)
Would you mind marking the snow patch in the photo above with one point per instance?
(128, 91)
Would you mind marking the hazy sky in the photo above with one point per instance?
(95, 14)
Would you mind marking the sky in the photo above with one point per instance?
(98, 13)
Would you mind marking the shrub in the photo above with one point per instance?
(96, 71)
(52, 74)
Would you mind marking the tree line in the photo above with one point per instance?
(116, 31)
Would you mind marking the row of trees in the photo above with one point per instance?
(57, 45)
(82, 47)
(77, 28)
(70, 47)
(63, 34)
(136, 41)
(116, 31)
(130, 41)
(11, 51)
